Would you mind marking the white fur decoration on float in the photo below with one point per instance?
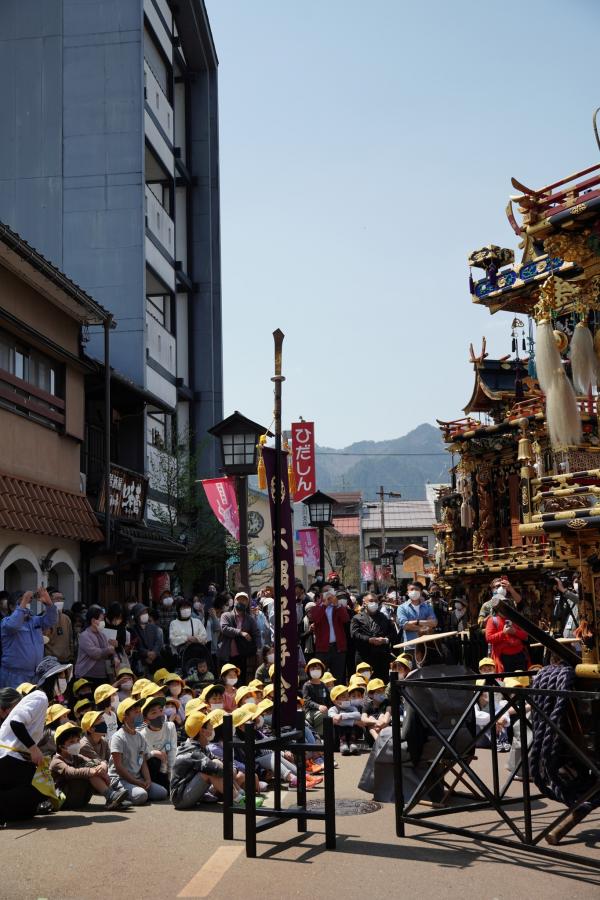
(562, 411)
(584, 365)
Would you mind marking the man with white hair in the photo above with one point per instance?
(329, 618)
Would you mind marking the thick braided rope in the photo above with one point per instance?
(548, 754)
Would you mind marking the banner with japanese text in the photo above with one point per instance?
(309, 544)
(285, 605)
(222, 497)
(303, 458)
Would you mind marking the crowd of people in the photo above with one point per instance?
(127, 702)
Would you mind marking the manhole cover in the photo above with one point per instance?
(347, 807)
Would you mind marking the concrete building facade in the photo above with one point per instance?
(109, 167)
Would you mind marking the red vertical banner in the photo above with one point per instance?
(221, 495)
(303, 452)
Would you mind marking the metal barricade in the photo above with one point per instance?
(482, 796)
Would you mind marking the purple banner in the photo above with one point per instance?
(287, 606)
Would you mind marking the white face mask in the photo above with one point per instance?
(414, 595)
(144, 618)
(372, 607)
(126, 685)
(366, 674)
(101, 625)
(379, 697)
(231, 681)
(170, 712)
(500, 592)
(346, 704)
(61, 684)
(185, 613)
(73, 749)
(216, 706)
(59, 605)
(211, 735)
(314, 673)
(270, 657)
(248, 700)
(343, 601)
(167, 601)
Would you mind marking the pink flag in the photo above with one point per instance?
(309, 542)
(220, 493)
(366, 571)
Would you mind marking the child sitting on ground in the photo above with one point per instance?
(74, 775)
(376, 714)
(345, 719)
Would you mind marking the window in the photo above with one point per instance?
(29, 365)
(159, 430)
(159, 307)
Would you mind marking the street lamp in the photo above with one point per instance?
(239, 438)
(373, 557)
(320, 514)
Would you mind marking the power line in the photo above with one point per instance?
(374, 453)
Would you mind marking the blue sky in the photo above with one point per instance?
(366, 149)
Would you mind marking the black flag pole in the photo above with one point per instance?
(278, 379)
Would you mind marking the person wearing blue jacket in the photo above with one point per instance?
(22, 636)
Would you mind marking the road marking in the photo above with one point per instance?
(210, 874)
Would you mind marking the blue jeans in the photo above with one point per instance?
(14, 677)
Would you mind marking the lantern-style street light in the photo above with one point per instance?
(320, 513)
(373, 557)
(238, 437)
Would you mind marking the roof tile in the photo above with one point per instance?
(31, 507)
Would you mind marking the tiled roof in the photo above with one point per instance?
(347, 525)
(400, 514)
(35, 508)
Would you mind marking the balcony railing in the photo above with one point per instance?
(500, 558)
(159, 223)
(157, 101)
(161, 344)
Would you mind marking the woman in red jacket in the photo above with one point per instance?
(508, 644)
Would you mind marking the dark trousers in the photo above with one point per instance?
(335, 661)
(156, 775)
(18, 797)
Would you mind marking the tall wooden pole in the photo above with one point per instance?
(278, 379)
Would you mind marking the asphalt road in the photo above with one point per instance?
(158, 852)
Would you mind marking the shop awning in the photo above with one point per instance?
(38, 509)
(148, 543)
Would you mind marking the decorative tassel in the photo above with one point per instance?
(583, 360)
(531, 368)
(562, 412)
(547, 361)
(471, 284)
(290, 471)
(514, 345)
(261, 470)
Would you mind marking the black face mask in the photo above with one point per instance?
(101, 728)
(241, 607)
(158, 722)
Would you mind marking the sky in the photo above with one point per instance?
(365, 150)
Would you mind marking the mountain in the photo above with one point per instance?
(339, 470)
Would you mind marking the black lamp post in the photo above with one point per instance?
(320, 513)
(373, 557)
(239, 438)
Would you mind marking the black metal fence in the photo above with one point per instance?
(261, 819)
(452, 768)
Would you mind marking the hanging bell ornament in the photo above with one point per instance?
(525, 450)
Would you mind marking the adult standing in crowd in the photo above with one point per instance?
(95, 650)
(185, 630)
(416, 615)
(60, 641)
(22, 635)
(329, 618)
(148, 640)
(239, 636)
(166, 613)
(373, 635)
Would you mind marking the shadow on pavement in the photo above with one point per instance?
(59, 821)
